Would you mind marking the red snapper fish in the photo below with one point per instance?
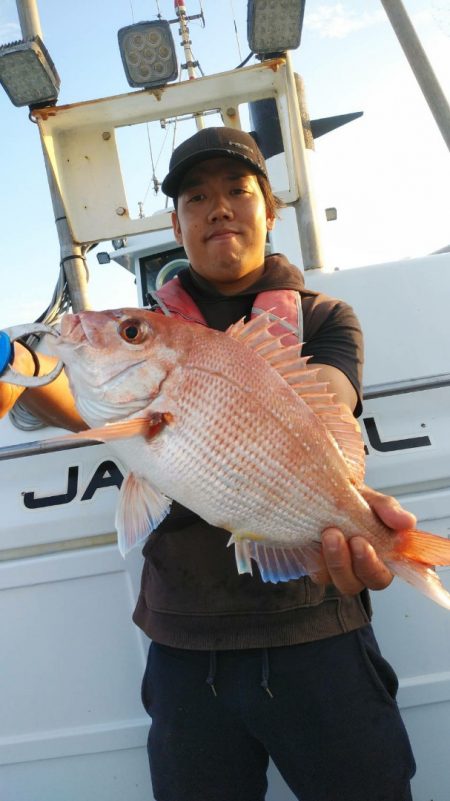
(236, 427)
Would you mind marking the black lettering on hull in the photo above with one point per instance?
(31, 502)
(106, 475)
(393, 444)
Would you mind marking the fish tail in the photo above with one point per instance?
(421, 546)
(413, 557)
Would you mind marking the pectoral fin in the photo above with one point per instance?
(141, 509)
(146, 427)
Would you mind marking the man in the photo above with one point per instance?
(240, 670)
(329, 706)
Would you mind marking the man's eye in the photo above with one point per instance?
(196, 198)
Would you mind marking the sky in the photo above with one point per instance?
(388, 173)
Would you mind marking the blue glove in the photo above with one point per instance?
(6, 351)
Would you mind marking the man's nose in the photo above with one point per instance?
(220, 209)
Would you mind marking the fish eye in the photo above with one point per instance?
(133, 331)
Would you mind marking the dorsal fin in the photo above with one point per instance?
(293, 367)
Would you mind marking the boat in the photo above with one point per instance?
(71, 724)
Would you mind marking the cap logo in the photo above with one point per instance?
(240, 144)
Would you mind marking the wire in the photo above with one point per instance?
(150, 147)
(173, 140)
(153, 179)
(245, 60)
(235, 29)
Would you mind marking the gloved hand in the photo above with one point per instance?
(6, 351)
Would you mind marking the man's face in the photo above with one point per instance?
(222, 223)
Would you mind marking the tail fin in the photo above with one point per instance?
(413, 557)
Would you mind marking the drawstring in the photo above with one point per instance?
(211, 677)
(212, 671)
(265, 672)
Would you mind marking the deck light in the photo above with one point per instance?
(28, 74)
(274, 26)
(148, 53)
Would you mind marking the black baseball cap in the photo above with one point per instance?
(210, 143)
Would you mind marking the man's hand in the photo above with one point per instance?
(352, 565)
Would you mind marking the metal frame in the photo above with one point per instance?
(79, 141)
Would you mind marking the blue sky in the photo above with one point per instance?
(388, 174)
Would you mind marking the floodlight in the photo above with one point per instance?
(103, 257)
(274, 26)
(28, 74)
(148, 53)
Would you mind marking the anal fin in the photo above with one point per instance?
(276, 564)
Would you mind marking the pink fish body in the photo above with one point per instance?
(235, 427)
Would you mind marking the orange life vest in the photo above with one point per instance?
(284, 304)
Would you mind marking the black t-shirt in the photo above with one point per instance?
(191, 593)
(332, 334)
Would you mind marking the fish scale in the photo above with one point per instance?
(237, 428)
(275, 494)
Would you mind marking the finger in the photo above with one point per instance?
(388, 509)
(338, 559)
(321, 576)
(369, 569)
(318, 571)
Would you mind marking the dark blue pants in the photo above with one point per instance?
(332, 727)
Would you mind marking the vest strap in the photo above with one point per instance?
(283, 305)
(179, 302)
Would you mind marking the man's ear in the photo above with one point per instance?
(270, 221)
(176, 228)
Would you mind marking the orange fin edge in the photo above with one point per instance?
(421, 546)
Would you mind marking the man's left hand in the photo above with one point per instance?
(353, 564)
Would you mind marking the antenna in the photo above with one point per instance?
(190, 65)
